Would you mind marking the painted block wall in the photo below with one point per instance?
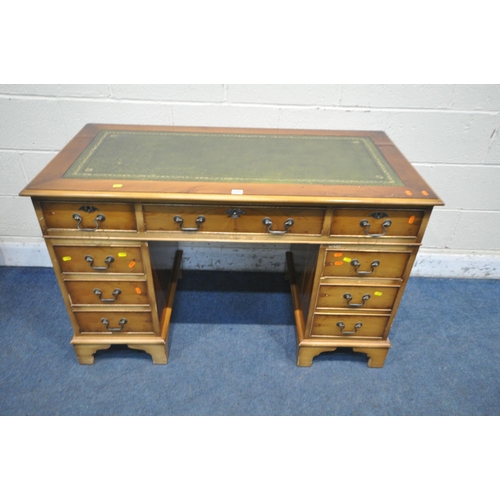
(450, 133)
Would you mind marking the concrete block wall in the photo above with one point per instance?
(450, 133)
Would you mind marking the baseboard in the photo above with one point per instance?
(24, 254)
(430, 263)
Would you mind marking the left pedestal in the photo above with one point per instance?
(113, 295)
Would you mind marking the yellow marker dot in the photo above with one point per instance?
(347, 259)
(65, 259)
(122, 254)
(117, 185)
(378, 294)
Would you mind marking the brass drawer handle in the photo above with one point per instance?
(122, 322)
(341, 326)
(78, 218)
(268, 222)
(356, 264)
(108, 260)
(115, 294)
(348, 297)
(199, 221)
(364, 223)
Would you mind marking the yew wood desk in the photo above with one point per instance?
(348, 208)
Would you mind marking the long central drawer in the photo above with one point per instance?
(234, 219)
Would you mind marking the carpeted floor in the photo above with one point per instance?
(232, 352)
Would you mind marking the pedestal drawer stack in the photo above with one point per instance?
(359, 282)
(107, 284)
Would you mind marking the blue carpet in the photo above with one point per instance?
(232, 352)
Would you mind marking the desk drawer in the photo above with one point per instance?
(234, 219)
(108, 292)
(353, 264)
(376, 222)
(342, 326)
(354, 297)
(99, 259)
(115, 323)
(89, 217)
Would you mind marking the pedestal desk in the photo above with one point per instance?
(348, 208)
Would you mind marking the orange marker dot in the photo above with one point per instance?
(337, 254)
(425, 193)
(339, 263)
(408, 192)
(411, 220)
(138, 291)
(132, 264)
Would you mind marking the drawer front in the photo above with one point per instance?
(356, 297)
(115, 323)
(344, 326)
(352, 264)
(108, 292)
(104, 260)
(89, 217)
(376, 222)
(233, 219)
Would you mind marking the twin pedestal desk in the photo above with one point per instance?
(348, 208)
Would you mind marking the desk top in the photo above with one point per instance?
(215, 164)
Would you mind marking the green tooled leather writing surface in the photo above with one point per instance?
(209, 157)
